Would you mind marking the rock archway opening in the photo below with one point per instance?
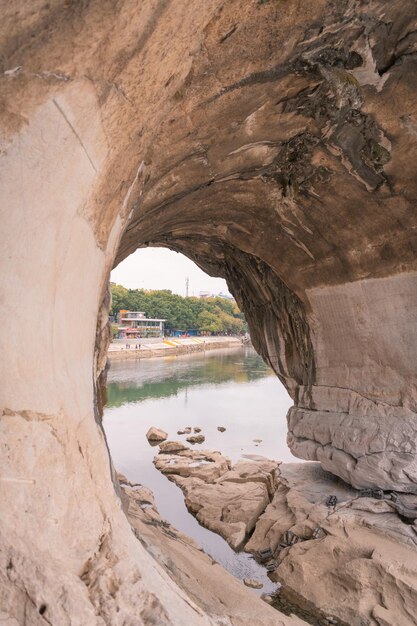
(160, 297)
(152, 268)
(276, 336)
(224, 203)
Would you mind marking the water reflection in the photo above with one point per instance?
(231, 388)
(171, 375)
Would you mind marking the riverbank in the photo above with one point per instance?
(332, 561)
(210, 587)
(341, 556)
(219, 388)
(170, 347)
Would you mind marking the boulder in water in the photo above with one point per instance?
(169, 447)
(196, 439)
(251, 582)
(156, 434)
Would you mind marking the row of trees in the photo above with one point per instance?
(213, 315)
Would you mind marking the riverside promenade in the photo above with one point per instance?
(169, 346)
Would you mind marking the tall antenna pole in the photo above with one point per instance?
(187, 282)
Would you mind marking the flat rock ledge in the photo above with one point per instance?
(209, 588)
(344, 554)
(168, 447)
(353, 556)
(227, 500)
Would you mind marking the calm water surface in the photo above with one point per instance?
(231, 388)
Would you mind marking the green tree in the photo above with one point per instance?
(119, 298)
(209, 322)
(209, 314)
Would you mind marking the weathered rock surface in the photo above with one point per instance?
(356, 561)
(193, 463)
(168, 447)
(251, 582)
(305, 202)
(226, 500)
(370, 446)
(225, 508)
(210, 588)
(328, 557)
(156, 434)
(274, 143)
(184, 431)
(196, 439)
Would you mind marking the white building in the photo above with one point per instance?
(135, 325)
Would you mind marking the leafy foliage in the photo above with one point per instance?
(213, 315)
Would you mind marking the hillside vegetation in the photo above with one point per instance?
(213, 315)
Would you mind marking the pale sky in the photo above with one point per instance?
(160, 268)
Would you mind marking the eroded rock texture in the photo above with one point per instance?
(355, 561)
(227, 500)
(339, 552)
(206, 583)
(290, 172)
(273, 142)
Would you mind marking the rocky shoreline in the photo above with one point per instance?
(343, 556)
(210, 589)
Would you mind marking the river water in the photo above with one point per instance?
(231, 388)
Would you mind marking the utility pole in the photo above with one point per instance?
(187, 282)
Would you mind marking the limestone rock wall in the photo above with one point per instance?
(274, 143)
(305, 201)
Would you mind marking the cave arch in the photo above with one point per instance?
(273, 144)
